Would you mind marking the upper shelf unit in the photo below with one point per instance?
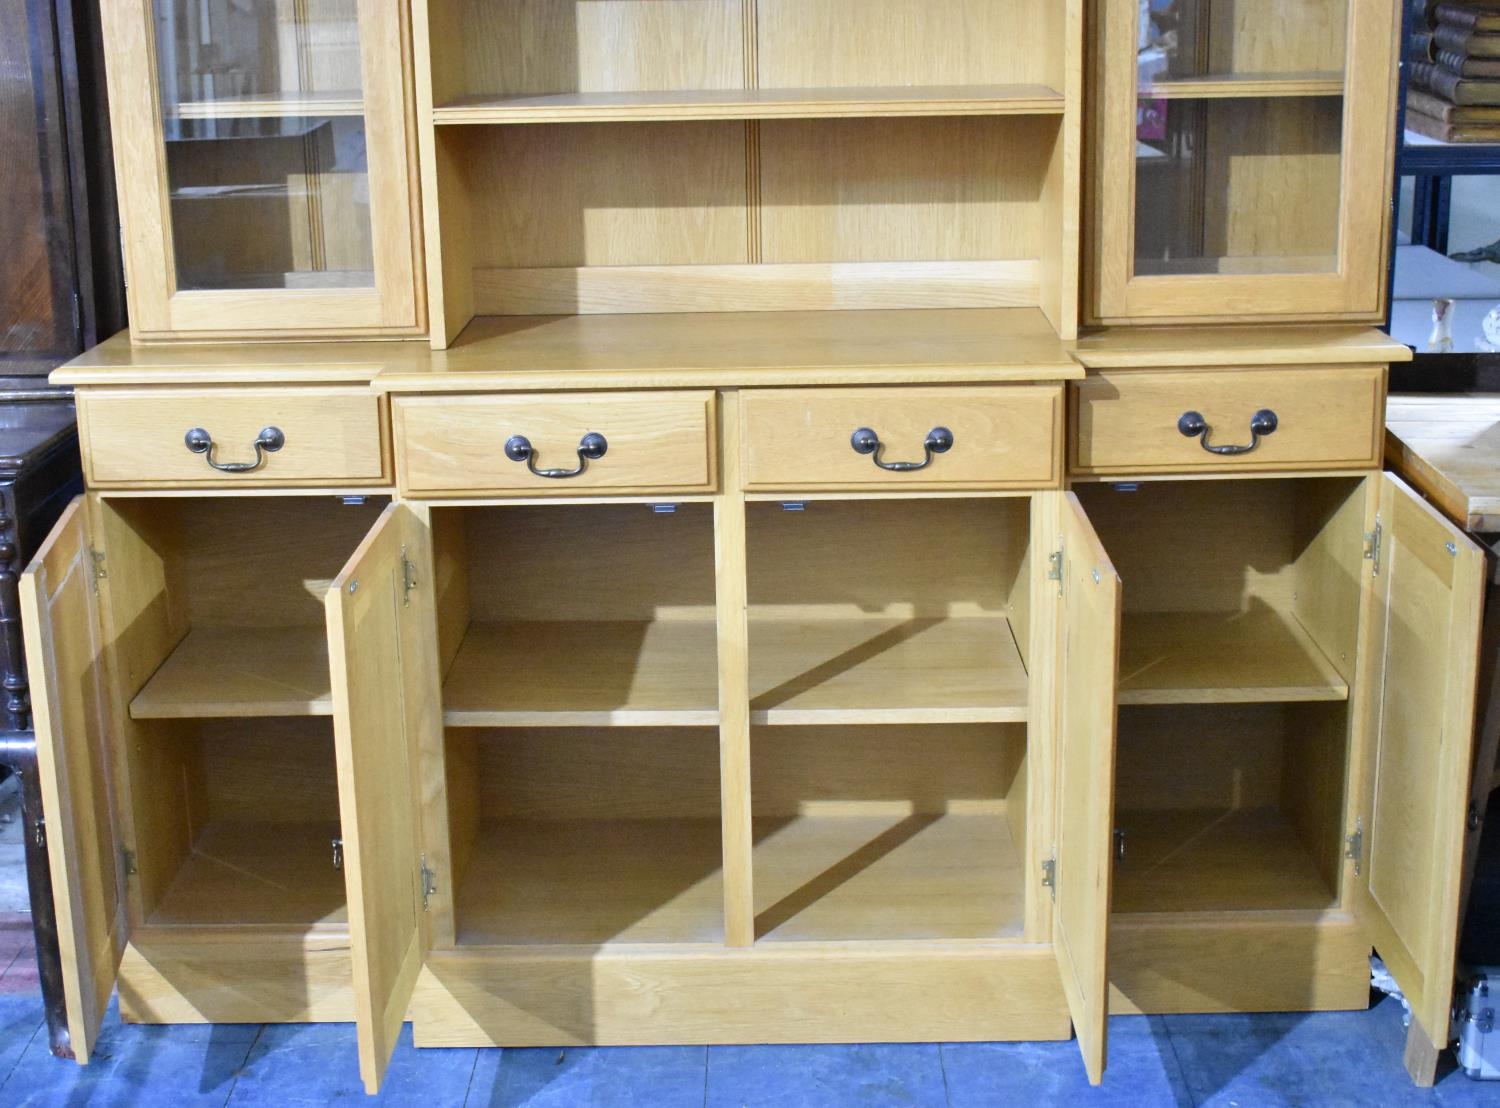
(680, 156)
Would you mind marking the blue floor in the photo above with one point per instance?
(1324, 1059)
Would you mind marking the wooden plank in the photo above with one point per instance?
(65, 665)
(731, 583)
(778, 103)
(1188, 962)
(763, 348)
(592, 882)
(1215, 860)
(920, 876)
(240, 671)
(1448, 448)
(773, 993)
(1259, 655)
(378, 706)
(920, 670)
(1088, 656)
(1242, 85)
(259, 876)
(196, 975)
(1191, 347)
(1412, 795)
(584, 674)
(757, 287)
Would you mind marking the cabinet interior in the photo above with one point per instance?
(889, 832)
(222, 664)
(598, 615)
(889, 611)
(1241, 617)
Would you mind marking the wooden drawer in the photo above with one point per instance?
(1003, 436)
(331, 436)
(457, 445)
(1325, 418)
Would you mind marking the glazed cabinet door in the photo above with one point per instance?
(382, 644)
(1244, 159)
(262, 154)
(64, 658)
(1089, 660)
(1408, 837)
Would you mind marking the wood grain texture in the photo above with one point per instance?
(1216, 860)
(1414, 788)
(655, 440)
(1003, 437)
(658, 105)
(710, 349)
(1206, 658)
(1127, 422)
(243, 671)
(1195, 347)
(377, 715)
(777, 992)
(181, 975)
(1246, 85)
(65, 664)
(1306, 962)
(919, 670)
(134, 437)
(1448, 448)
(576, 673)
(1088, 659)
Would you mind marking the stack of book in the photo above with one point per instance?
(1453, 89)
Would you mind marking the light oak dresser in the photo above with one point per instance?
(607, 529)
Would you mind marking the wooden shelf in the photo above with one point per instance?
(584, 674)
(932, 876)
(695, 349)
(1215, 861)
(275, 106)
(218, 672)
(588, 882)
(813, 671)
(272, 875)
(1261, 656)
(788, 103)
(1246, 86)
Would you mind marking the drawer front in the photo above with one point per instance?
(1143, 422)
(328, 436)
(996, 437)
(460, 446)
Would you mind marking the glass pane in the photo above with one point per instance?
(1238, 186)
(265, 136)
(1186, 39)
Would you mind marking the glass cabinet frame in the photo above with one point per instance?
(387, 297)
(1351, 288)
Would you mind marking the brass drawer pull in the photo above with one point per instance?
(268, 441)
(939, 441)
(591, 447)
(1192, 425)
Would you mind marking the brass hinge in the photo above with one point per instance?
(1372, 548)
(1054, 572)
(1049, 876)
(99, 570)
(408, 577)
(127, 862)
(429, 882)
(1355, 846)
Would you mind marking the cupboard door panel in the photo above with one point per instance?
(379, 658)
(1414, 787)
(1090, 643)
(64, 659)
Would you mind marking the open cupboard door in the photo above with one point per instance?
(64, 658)
(1410, 811)
(377, 612)
(1089, 634)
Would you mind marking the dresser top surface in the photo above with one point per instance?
(1448, 446)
